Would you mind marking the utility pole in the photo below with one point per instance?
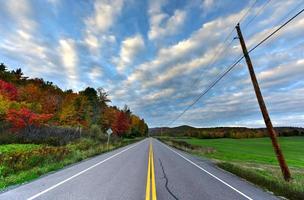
(271, 131)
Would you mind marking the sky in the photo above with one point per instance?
(157, 56)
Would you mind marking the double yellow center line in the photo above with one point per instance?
(151, 188)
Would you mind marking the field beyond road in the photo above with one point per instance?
(255, 150)
(253, 159)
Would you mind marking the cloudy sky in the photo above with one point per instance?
(157, 55)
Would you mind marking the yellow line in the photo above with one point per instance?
(153, 175)
(148, 176)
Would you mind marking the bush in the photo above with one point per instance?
(6, 136)
(9, 138)
(184, 146)
(51, 135)
(82, 144)
(96, 132)
(18, 160)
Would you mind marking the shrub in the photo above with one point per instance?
(51, 135)
(96, 132)
(82, 144)
(18, 160)
(182, 145)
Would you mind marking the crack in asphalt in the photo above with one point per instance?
(166, 178)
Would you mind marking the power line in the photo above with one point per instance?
(247, 12)
(215, 58)
(208, 89)
(257, 13)
(233, 65)
(274, 32)
(221, 51)
(288, 14)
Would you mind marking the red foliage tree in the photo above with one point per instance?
(8, 90)
(25, 118)
(121, 124)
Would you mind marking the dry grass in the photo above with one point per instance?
(270, 178)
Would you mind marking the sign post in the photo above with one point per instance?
(109, 132)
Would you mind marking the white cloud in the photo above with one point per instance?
(97, 25)
(160, 87)
(176, 66)
(95, 73)
(129, 49)
(178, 57)
(21, 13)
(282, 74)
(160, 94)
(207, 4)
(69, 59)
(105, 14)
(172, 61)
(92, 41)
(54, 2)
(162, 24)
(24, 43)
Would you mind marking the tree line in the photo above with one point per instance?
(31, 104)
(223, 132)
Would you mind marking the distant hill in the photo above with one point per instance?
(224, 132)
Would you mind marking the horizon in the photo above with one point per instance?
(230, 127)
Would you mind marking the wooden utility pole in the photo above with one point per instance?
(271, 131)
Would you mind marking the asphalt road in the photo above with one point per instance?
(123, 174)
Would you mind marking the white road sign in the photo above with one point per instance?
(109, 131)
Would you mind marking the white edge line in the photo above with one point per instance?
(81, 172)
(207, 172)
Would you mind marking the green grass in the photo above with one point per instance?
(24, 162)
(256, 150)
(270, 178)
(8, 148)
(254, 160)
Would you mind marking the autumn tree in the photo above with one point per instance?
(108, 117)
(121, 124)
(138, 126)
(23, 99)
(67, 112)
(30, 93)
(91, 95)
(74, 110)
(103, 97)
(83, 111)
(8, 95)
(18, 73)
(2, 67)
(50, 103)
(25, 118)
(8, 90)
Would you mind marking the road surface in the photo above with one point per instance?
(147, 170)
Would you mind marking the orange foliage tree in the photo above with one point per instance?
(25, 118)
(8, 90)
(121, 124)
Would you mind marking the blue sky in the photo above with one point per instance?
(155, 55)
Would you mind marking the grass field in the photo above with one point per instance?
(256, 150)
(254, 160)
(20, 163)
(9, 148)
